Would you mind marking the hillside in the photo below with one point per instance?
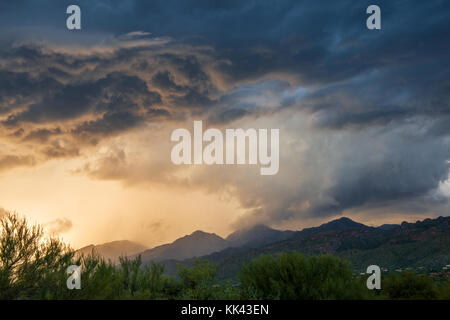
(113, 250)
(257, 236)
(201, 243)
(423, 244)
(197, 244)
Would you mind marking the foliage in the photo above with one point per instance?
(444, 290)
(197, 281)
(294, 276)
(29, 265)
(409, 285)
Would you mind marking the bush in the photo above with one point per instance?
(444, 290)
(197, 281)
(30, 266)
(294, 276)
(409, 285)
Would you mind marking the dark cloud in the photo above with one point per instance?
(391, 169)
(403, 170)
(339, 56)
(229, 115)
(10, 161)
(188, 66)
(57, 150)
(115, 92)
(42, 135)
(110, 123)
(16, 88)
(376, 103)
(165, 80)
(193, 99)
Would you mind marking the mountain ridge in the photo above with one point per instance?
(423, 245)
(112, 250)
(391, 245)
(198, 243)
(201, 243)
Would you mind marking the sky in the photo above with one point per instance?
(86, 115)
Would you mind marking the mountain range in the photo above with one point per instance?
(196, 244)
(113, 250)
(423, 244)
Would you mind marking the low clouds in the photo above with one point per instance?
(363, 115)
(58, 226)
(10, 161)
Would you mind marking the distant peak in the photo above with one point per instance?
(200, 233)
(258, 226)
(344, 219)
(339, 224)
(87, 247)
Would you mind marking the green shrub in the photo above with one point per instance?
(294, 276)
(197, 281)
(409, 285)
(444, 290)
(30, 266)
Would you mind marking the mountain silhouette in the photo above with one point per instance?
(419, 244)
(256, 236)
(113, 250)
(196, 244)
(201, 243)
(340, 224)
(423, 245)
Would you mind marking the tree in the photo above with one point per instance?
(30, 266)
(197, 281)
(294, 276)
(409, 285)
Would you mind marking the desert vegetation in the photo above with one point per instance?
(33, 266)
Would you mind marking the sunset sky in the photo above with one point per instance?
(86, 115)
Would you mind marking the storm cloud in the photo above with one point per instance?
(364, 116)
